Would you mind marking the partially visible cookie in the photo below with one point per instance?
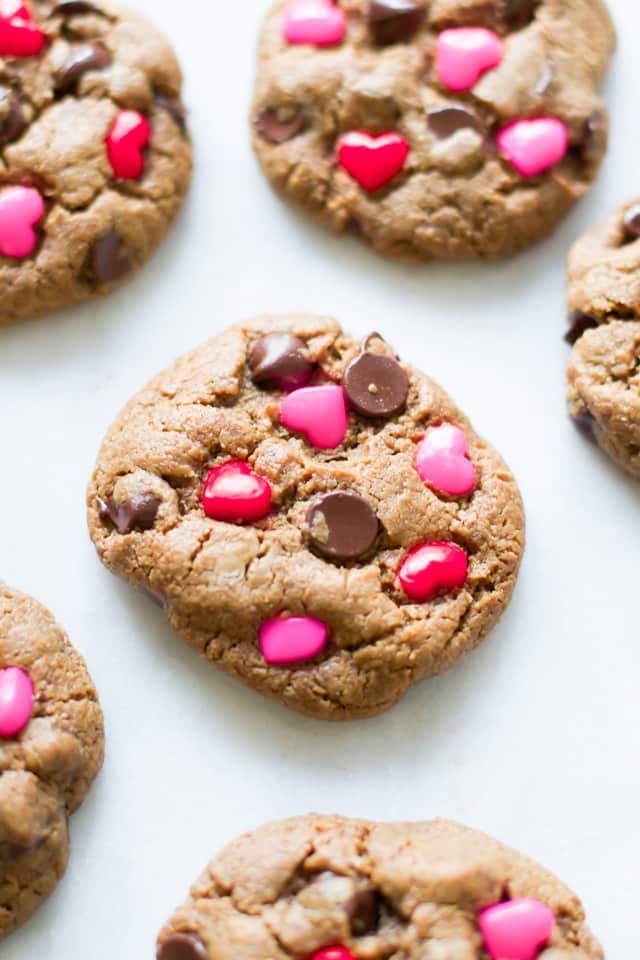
(51, 749)
(95, 155)
(328, 888)
(604, 367)
(434, 130)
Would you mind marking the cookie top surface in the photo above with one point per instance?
(95, 156)
(51, 749)
(433, 889)
(330, 542)
(449, 129)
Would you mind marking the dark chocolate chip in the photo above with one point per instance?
(631, 223)
(363, 911)
(517, 13)
(392, 21)
(376, 386)
(174, 107)
(14, 121)
(137, 513)
(278, 363)
(108, 260)
(272, 128)
(82, 58)
(445, 121)
(579, 322)
(584, 422)
(342, 526)
(182, 946)
(69, 8)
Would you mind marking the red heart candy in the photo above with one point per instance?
(126, 140)
(19, 34)
(432, 567)
(372, 161)
(235, 494)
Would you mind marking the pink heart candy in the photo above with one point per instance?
(431, 568)
(16, 701)
(372, 161)
(517, 929)
(20, 209)
(463, 54)
(318, 412)
(291, 639)
(533, 146)
(442, 461)
(317, 22)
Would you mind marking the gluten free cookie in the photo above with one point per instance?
(328, 888)
(95, 156)
(316, 517)
(434, 130)
(51, 749)
(604, 316)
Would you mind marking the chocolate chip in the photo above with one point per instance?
(592, 143)
(278, 363)
(445, 121)
(272, 128)
(83, 58)
(108, 261)
(342, 526)
(579, 322)
(68, 8)
(376, 386)
(14, 121)
(631, 223)
(363, 911)
(584, 422)
(137, 513)
(517, 13)
(391, 21)
(182, 946)
(174, 107)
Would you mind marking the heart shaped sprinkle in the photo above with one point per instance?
(431, 568)
(291, 639)
(20, 36)
(372, 161)
(463, 54)
(20, 209)
(16, 701)
(318, 412)
(533, 146)
(126, 141)
(442, 461)
(517, 929)
(317, 22)
(233, 493)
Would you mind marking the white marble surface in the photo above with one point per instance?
(534, 738)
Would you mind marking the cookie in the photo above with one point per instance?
(51, 749)
(96, 160)
(441, 130)
(328, 888)
(604, 317)
(317, 518)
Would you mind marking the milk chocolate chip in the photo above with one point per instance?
(108, 260)
(445, 121)
(391, 21)
(182, 946)
(375, 385)
(137, 513)
(274, 129)
(342, 525)
(277, 362)
(13, 120)
(83, 58)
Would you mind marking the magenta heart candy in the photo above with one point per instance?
(20, 36)
(372, 161)
(464, 53)
(431, 568)
(20, 209)
(291, 639)
(234, 493)
(127, 138)
(442, 461)
(517, 929)
(317, 22)
(533, 146)
(318, 412)
(16, 701)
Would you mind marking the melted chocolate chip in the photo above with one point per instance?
(14, 121)
(517, 13)
(588, 151)
(445, 121)
(174, 107)
(137, 513)
(579, 322)
(584, 422)
(631, 223)
(363, 911)
(342, 525)
(392, 21)
(108, 261)
(83, 58)
(278, 363)
(182, 946)
(69, 8)
(376, 386)
(274, 130)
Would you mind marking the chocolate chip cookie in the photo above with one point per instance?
(95, 156)
(604, 317)
(317, 517)
(435, 130)
(51, 749)
(328, 888)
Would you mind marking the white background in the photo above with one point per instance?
(534, 738)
